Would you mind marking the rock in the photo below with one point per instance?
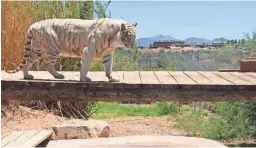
(81, 129)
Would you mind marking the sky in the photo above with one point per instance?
(185, 19)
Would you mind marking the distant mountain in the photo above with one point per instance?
(220, 40)
(196, 40)
(150, 40)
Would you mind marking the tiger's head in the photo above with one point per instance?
(128, 34)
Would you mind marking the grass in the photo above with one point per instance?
(199, 123)
(195, 121)
(116, 110)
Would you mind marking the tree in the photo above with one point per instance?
(232, 41)
(254, 35)
(242, 41)
(100, 9)
(235, 41)
(86, 11)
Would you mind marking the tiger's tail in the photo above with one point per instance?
(27, 49)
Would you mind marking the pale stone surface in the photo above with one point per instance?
(81, 129)
(138, 141)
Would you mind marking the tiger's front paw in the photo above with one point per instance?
(85, 79)
(111, 79)
(28, 77)
(59, 76)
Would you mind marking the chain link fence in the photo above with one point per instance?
(211, 60)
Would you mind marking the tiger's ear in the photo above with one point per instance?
(134, 24)
(123, 27)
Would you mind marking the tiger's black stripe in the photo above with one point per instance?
(106, 61)
(27, 49)
(23, 61)
(109, 40)
(30, 60)
(28, 42)
(53, 54)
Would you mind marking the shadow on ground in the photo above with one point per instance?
(242, 145)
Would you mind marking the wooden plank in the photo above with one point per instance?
(132, 77)
(252, 74)
(148, 77)
(181, 78)
(37, 139)
(14, 76)
(129, 77)
(14, 135)
(137, 79)
(215, 79)
(165, 78)
(98, 76)
(120, 74)
(244, 76)
(43, 75)
(74, 76)
(117, 76)
(197, 77)
(5, 134)
(23, 138)
(232, 78)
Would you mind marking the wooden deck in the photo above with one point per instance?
(134, 86)
(24, 138)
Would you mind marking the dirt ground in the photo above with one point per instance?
(142, 126)
(25, 118)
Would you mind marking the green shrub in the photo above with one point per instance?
(215, 128)
(165, 108)
(191, 123)
(96, 65)
(234, 114)
(250, 112)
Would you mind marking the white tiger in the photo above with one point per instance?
(86, 39)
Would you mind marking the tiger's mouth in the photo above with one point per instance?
(128, 45)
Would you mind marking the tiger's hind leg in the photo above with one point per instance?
(51, 58)
(29, 58)
(26, 75)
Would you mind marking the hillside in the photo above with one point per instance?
(220, 40)
(149, 40)
(197, 40)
